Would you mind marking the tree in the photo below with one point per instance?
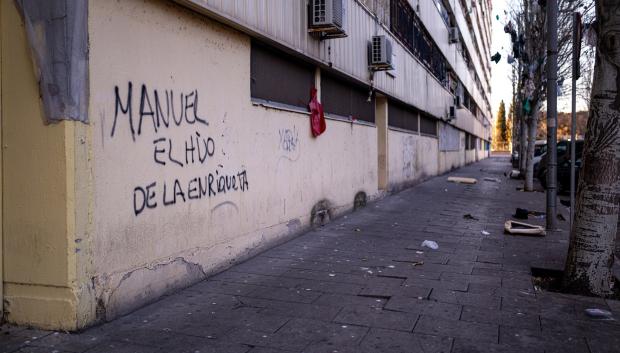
(509, 122)
(590, 256)
(530, 17)
(500, 127)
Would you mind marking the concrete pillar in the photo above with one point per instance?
(317, 83)
(39, 198)
(381, 120)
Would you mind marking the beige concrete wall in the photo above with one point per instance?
(99, 219)
(412, 158)
(280, 171)
(450, 160)
(470, 156)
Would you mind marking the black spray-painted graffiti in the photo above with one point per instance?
(288, 139)
(195, 150)
(187, 109)
(197, 188)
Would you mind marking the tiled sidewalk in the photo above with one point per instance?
(364, 284)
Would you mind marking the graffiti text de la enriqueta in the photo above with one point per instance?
(197, 188)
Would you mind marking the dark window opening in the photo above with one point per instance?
(268, 67)
(443, 12)
(348, 100)
(428, 125)
(469, 102)
(402, 116)
(470, 141)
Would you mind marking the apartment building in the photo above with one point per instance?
(148, 144)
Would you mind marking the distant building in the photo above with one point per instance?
(157, 142)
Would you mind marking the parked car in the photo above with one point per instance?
(540, 150)
(564, 173)
(514, 159)
(563, 163)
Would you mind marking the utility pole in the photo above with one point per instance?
(552, 113)
(575, 75)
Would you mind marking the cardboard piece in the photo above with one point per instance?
(461, 180)
(520, 228)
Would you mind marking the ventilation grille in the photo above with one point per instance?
(376, 50)
(338, 12)
(319, 11)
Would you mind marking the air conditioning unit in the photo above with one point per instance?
(380, 53)
(452, 113)
(453, 35)
(327, 18)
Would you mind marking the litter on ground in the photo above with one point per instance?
(599, 314)
(520, 228)
(461, 180)
(484, 232)
(495, 180)
(430, 244)
(521, 213)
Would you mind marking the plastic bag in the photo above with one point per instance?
(430, 244)
(317, 117)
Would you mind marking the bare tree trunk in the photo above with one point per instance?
(532, 123)
(590, 256)
(618, 239)
(523, 144)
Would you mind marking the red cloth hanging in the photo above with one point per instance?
(317, 118)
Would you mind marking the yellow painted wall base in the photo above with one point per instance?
(52, 308)
(37, 193)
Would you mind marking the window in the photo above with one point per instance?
(402, 116)
(467, 100)
(443, 12)
(348, 100)
(268, 66)
(562, 147)
(428, 125)
(381, 8)
(470, 141)
(401, 22)
(407, 27)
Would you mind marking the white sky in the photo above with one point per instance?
(500, 73)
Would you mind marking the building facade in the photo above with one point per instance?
(196, 150)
